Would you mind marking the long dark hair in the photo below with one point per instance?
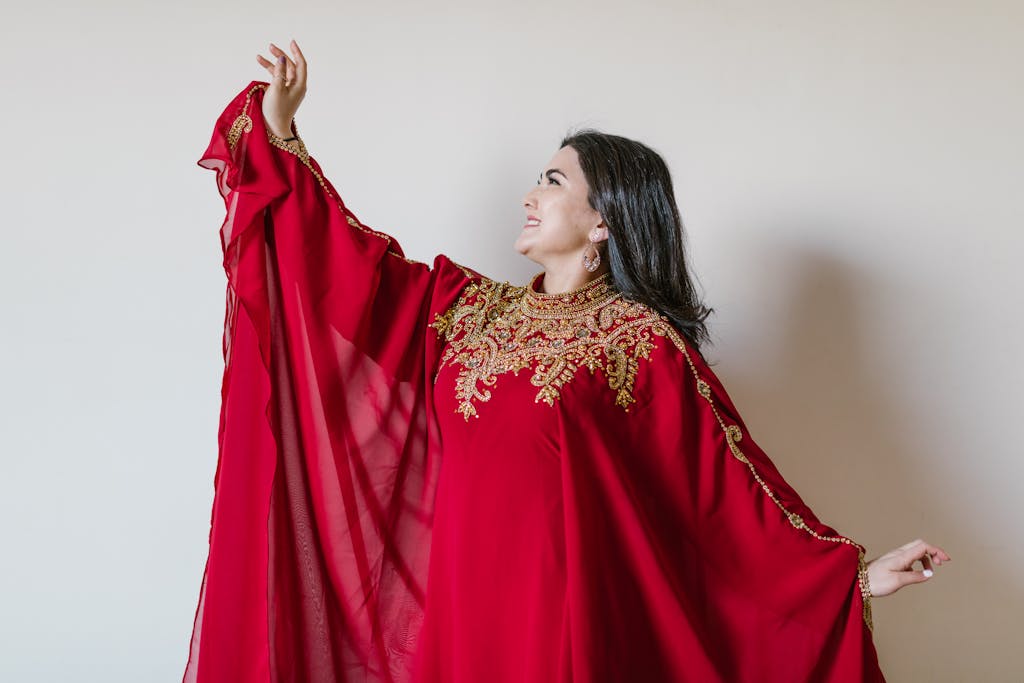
(630, 186)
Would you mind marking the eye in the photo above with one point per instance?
(550, 179)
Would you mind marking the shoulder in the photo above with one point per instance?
(627, 345)
(479, 301)
(678, 374)
(665, 363)
(446, 267)
(456, 277)
(445, 263)
(638, 325)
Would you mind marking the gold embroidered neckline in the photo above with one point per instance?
(488, 333)
(591, 296)
(496, 327)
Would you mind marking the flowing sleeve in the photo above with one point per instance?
(328, 452)
(689, 557)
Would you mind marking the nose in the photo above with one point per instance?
(528, 201)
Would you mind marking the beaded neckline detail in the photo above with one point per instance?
(496, 328)
(591, 296)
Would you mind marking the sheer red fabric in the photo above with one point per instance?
(428, 475)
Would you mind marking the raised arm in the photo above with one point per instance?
(287, 88)
(328, 447)
(362, 284)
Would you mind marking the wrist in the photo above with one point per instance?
(291, 143)
(281, 131)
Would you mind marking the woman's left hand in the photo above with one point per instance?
(892, 571)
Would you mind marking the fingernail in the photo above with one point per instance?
(927, 573)
(281, 59)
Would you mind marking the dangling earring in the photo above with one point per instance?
(592, 262)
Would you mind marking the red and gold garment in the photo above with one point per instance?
(429, 475)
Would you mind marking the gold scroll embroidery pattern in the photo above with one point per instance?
(733, 436)
(496, 327)
(243, 124)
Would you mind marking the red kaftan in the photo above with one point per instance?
(429, 475)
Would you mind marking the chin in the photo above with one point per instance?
(531, 247)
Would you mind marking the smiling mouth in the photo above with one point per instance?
(532, 223)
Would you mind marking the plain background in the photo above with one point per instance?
(850, 179)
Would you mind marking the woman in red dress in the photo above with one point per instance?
(429, 475)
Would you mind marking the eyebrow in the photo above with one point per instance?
(553, 170)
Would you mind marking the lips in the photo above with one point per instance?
(532, 222)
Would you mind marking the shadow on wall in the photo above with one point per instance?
(852, 441)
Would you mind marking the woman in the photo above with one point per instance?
(429, 475)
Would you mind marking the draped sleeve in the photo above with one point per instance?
(690, 558)
(328, 451)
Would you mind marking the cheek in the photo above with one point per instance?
(575, 206)
(566, 211)
(558, 217)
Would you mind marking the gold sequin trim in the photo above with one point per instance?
(467, 272)
(865, 590)
(733, 436)
(243, 124)
(496, 327)
(296, 147)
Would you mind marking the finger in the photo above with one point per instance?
(917, 549)
(907, 546)
(909, 577)
(917, 554)
(930, 551)
(300, 65)
(265, 63)
(289, 66)
(279, 72)
(904, 560)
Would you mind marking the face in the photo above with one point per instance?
(566, 219)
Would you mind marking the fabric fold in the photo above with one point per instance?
(690, 556)
(602, 513)
(328, 456)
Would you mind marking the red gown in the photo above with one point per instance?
(429, 475)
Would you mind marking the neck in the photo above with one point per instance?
(555, 282)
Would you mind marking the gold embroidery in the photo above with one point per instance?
(243, 124)
(865, 590)
(296, 147)
(466, 271)
(496, 327)
(733, 435)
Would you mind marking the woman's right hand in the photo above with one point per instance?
(287, 88)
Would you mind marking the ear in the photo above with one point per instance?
(601, 231)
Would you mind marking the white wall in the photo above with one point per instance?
(849, 174)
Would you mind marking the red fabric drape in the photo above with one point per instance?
(564, 538)
(320, 531)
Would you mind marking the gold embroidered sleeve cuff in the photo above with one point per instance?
(865, 591)
(296, 146)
